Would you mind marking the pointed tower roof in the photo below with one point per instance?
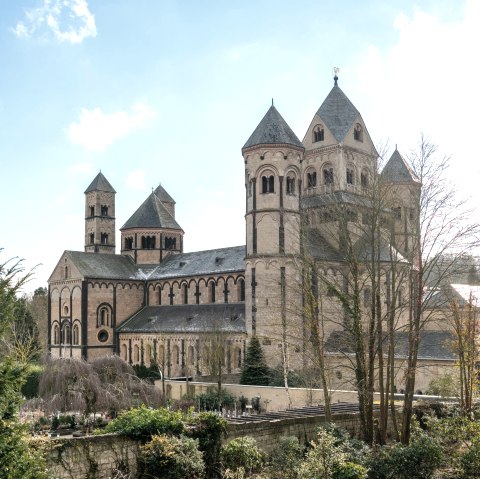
(397, 170)
(338, 113)
(273, 129)
(152, 214)
(100, 183)
(162, 195)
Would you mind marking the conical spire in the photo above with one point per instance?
(338, 112)
(397, 170)
(100, 183)
(272, 130)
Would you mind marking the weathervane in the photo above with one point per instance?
(336, 70)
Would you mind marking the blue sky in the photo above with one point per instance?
(169, 91)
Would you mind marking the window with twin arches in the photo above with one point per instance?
(104, 315)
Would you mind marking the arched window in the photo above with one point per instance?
(170, 243)
(358, 132)
(66, 272)
(191, 356)
(290, 185)
(211, 292)
(318, 133)
(92, 211)
(241, 290)
(56, 334)
(92, 238)
(104, 316)
(185, 293)
(136, 353)
(364, 179)
(148, 354)
(76, 335)
(65, 310)
(129, 243)
(176, 355)
(311, 179)
(67, 336)
(161, 355)
(350, 176)
(124, 352)
(104, 238)
(104, 210)
(148, 242)
(238, 357)
(328, 175)
(268, 184)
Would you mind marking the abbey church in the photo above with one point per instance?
(307, 202)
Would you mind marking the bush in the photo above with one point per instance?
(470, 460)
(242, 453)
(142, 423)
(286, 457)
(210, 401)
(30, 387)
(208, 429)
(415, 461)
(350, 470)
(170, 457)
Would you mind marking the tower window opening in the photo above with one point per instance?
(103, 316)
(104, 210)
(170, 243)
(241, 290)
(290, 185)
(104, 238)
(397, 213)
(349, 176)
(76, 335)
(148, 242)
(328, 176)
(92, 238)
(66, 272)
(92, 211)
(56, 335)
(364, 180)
(211, 292)
(358, 132)
(318, 134)
(268, 184)
(129, 243)
(312, 179)
(185, 294)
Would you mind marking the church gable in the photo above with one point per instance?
(65, 269)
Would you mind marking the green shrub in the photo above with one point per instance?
(242, 452)
(142, 423)
(470, 460)
(30, 387)
(170, 457)
(209, 428)
(211, 401)
(285, 458)
(350, 470)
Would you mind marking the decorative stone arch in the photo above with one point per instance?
(148, 354)
(211, 284)
(365, 177)
(358, 132)
(328, 173)
(124, 352)
(104, 315)
(310, 179)
(351, 174)
(240, 284)
(76, 332)
(266, 178)
(55, 332)
(318, 133)
(136, 354)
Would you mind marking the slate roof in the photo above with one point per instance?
(273, 129)
(338, 113)
(319, 248)
(151, 214)
(386, 253)
(107, 266)
(162, 195)
(335, 198)
(100, 183)
(441, 298)
(397, 170)
(188, 318)
(433, 344)
(215, 261)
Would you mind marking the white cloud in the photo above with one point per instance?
(136, 180)
(68, 21)
(96, 130)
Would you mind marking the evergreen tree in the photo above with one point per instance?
(255, 370)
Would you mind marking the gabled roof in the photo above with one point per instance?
(162, 195)
(397, 170)
(338, 113)
(215, 261)
(100, 183)
(188, 318)
(151, 214)
(272, 130)
(107, 266)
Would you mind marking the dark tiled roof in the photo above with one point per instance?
(338, 113)
(273, 129)
(386, 252)
(162, 195)
(100, 183)
(188, 318)
(213, 261)
(108, 266)
(433, 344)
(151, 214)
(319, 248)
(397, 170)
(335, 198)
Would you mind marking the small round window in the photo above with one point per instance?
(102, 336)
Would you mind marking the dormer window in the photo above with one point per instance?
(328, 176)
(318, 134)
(104, 210)
(358, 132)
(349, 176)
(312, 179)
(268, 184)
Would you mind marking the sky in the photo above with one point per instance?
(169, 91)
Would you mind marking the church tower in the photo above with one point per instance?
(272, 156)
(100, 216)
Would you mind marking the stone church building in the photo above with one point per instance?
(151, 302)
